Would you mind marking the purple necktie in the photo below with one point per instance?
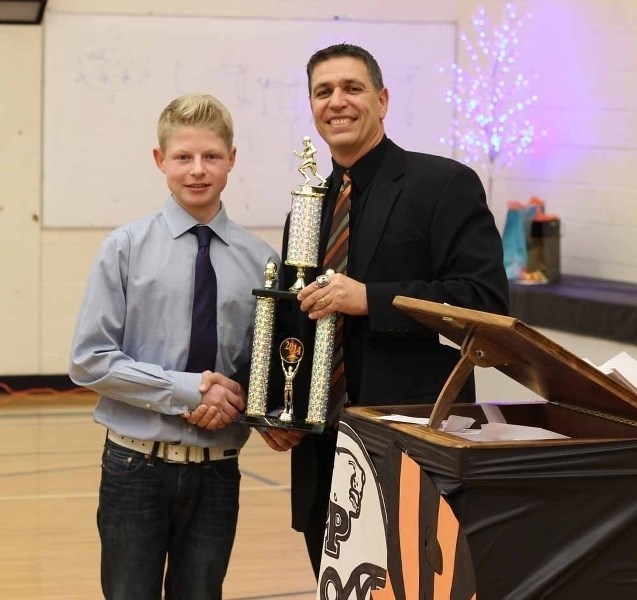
(203, 333)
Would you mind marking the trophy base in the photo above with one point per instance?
(278, 294)
(271, 421)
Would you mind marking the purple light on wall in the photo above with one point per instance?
(492, 96)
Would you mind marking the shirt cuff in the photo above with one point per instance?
(186, 394)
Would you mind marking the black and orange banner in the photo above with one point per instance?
(390, 535)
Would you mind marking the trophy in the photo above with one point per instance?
(302, 253)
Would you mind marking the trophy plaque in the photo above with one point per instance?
(302, 253)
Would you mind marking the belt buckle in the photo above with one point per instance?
(166, 453)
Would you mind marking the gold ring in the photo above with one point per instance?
(322, 300)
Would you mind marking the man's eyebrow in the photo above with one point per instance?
(349, 81)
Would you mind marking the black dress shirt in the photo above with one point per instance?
(362, 174)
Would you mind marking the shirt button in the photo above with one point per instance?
(147, 404)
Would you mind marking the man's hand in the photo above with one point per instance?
(280, 439)
(342, 294)
(222, 399)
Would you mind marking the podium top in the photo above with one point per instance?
(525, 355)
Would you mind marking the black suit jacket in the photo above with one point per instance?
(425, 232)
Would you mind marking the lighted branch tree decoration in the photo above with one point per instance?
(491, 97)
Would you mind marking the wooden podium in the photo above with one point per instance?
(554, 519)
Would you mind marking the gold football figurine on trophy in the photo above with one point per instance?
(308, 162)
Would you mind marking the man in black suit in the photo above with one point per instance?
(419, 226)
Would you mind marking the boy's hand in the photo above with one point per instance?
(209, 378)
(280, 439)
(222, 399)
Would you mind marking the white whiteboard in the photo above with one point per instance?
(108, 77)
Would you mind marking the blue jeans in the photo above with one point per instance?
(155, 515)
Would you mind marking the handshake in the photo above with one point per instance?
(222, 400)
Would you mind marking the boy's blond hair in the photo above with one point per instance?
(195, 110)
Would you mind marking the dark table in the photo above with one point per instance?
(581, 305)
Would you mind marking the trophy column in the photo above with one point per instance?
(305, 228)
(262, 347)
(321, 369)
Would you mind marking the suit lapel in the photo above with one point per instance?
(386, 187)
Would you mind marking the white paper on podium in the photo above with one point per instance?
(501, 432)
(405, 419)
(496, 428)
(452, 424)
(493, 413)
(621, 368)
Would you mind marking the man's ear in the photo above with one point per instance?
(160, 160)
(383, 99)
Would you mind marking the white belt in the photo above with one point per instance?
(171, 452)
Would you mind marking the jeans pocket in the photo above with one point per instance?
(121, 462)
(227, 469)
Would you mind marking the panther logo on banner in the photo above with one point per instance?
(355, 551)
(400, 541)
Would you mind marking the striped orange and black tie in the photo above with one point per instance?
(336, 258)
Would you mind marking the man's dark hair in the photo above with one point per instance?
(341, 50)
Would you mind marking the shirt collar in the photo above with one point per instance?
(179, 220)
(364, 169)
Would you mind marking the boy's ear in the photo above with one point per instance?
(158, 155)
(233, 156)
